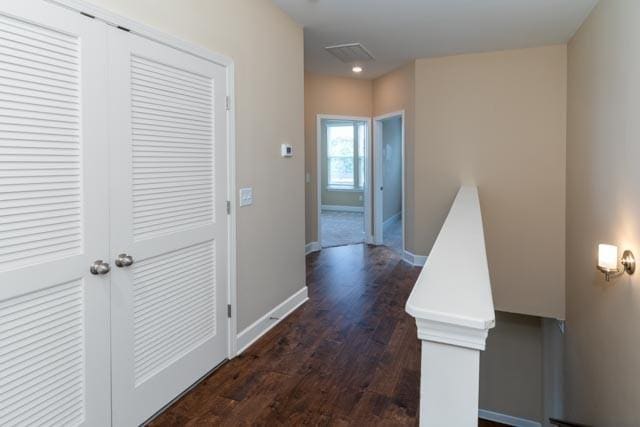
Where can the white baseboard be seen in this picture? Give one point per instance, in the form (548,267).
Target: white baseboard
(311,247)
(392,218)
(261,326)
(413,259)
(343,208)
(507,419)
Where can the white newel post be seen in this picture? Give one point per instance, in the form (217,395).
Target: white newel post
(453,307)
(449,374)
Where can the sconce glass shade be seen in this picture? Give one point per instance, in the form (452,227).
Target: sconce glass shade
(607,257)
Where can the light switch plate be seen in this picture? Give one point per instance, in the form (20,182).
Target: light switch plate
(286,150)
(246,196)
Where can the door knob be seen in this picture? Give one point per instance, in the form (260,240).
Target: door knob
(99,267)
(124,260)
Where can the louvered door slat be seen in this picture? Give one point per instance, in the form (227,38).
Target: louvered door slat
(168,84)
(54,354)
(21,40)
(173,135)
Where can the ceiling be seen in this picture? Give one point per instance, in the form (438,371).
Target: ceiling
(396,31)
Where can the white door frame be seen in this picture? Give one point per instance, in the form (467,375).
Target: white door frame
(193,49)
(378,179)
(366,192)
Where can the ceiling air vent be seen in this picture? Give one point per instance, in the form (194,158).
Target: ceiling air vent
(350,52)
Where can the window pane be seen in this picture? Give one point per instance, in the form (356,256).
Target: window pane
(341,171)
(361,171)
(340,141)
(340,152)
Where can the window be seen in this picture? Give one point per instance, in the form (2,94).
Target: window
(340,153)
(345,155)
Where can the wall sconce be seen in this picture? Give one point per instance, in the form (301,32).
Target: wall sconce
(608,261)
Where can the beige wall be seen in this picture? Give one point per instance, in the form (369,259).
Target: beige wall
(393,92)
(603,206)
(327,95)
(497,120)
(511,367)
(267,48)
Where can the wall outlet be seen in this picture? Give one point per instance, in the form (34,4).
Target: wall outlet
(246,196)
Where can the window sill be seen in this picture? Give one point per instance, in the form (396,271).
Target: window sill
(344,188)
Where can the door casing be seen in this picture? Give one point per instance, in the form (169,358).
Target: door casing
(378,178)
(368,237)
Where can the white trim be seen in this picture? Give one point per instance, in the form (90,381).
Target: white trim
(378,226)
(263,325)
(413,259)
(232,223)
(367,185)
(344,189)
(391,219)
(451,334)
(161,37)
(343,208)
(311,247)
(143,30)
(506,419)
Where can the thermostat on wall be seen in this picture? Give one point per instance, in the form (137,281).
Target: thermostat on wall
(286,150)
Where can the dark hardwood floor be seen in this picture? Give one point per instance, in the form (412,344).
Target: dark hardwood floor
(349,356)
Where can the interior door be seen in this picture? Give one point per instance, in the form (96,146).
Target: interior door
(168,222)
(54,339)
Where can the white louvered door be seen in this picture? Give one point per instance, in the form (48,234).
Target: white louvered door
(168,200)
(54,331)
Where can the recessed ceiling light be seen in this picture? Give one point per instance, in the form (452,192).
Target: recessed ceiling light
(357,69)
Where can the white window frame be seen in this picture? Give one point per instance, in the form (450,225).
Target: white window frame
(357,186)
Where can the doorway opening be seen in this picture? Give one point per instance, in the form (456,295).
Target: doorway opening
(389,201)
(344,214)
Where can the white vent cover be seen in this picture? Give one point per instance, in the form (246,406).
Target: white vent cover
(350,52)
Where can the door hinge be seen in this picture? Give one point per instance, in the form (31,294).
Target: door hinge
(228,207)
(228,104)
(229,310)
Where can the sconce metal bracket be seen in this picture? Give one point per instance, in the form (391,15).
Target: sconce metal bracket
(628,262)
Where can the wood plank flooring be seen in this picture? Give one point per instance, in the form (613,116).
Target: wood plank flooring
(349,356)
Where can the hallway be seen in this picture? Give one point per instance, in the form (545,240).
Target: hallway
(349,355)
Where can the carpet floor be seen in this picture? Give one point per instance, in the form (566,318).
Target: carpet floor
(341,228)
